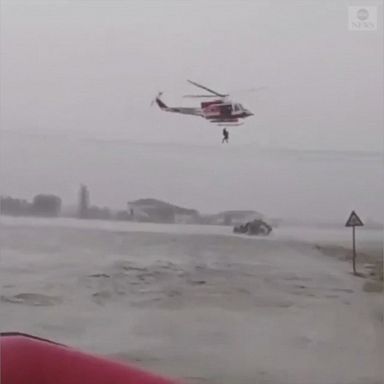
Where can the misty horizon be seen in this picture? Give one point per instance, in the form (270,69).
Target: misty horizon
(286,184)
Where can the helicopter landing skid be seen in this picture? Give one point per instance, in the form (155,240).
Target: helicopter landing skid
(228,125)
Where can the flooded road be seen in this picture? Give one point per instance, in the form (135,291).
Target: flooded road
(194,302)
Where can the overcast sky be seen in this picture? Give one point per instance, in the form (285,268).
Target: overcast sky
(88,70)
(93,66)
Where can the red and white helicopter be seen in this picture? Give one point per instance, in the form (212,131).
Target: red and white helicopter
(220,111)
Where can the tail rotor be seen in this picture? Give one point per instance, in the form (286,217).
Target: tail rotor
(156,98)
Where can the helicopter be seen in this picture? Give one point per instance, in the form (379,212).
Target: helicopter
(220,110)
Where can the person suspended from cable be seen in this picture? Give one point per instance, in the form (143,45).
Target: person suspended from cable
(225,136)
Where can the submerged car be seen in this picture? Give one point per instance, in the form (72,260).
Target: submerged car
(255,227)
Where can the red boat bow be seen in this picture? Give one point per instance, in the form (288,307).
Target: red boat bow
(27,359)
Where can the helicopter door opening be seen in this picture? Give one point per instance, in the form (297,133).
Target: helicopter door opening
(236,109)
(227,110)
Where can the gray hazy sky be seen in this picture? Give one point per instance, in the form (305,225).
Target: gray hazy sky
(91,67)
(77,78)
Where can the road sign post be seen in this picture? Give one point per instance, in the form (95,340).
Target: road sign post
(354,249)
(354,221)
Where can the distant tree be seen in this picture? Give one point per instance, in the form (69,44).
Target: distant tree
(46,205)
(123,216)
(14,207)
(83,210)
(98,213)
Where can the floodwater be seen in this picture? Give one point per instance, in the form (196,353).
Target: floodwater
(194,302)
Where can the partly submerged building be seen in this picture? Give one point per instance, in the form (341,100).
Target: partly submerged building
(156,211)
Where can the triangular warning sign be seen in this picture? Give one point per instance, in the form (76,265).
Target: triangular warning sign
(354,220)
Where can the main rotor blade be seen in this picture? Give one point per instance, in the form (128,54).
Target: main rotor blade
(236,92)
(200,96)
(207,89)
